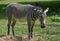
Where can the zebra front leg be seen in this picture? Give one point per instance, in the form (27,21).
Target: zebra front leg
(30,28)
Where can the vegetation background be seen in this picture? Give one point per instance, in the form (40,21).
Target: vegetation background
(52,30)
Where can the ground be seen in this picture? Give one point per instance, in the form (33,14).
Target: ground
(19,38)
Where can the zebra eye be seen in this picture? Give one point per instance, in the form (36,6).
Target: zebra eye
(35,9)
(38,10)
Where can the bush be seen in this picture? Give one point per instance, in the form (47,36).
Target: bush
(55,18)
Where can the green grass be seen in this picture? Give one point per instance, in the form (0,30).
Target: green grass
(50,33)
(7,1)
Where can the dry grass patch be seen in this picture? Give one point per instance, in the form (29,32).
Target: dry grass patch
(19,38)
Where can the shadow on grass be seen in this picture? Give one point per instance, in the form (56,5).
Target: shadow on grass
(53,33)
(47,24)
(54,25)
(2,0)
(3,11)
(53,5)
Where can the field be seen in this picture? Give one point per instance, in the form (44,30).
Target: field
(50,33)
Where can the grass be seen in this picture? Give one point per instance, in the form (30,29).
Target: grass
(7,1)
(50,33)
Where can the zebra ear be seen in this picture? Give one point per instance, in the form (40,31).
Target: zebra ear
(45,11)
